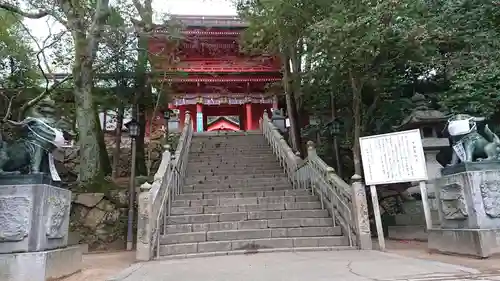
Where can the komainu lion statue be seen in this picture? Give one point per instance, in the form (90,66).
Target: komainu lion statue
(39,137)
(471,140)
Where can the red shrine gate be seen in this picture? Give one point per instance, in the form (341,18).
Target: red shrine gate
(222,88)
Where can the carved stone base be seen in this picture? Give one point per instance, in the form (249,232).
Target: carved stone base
(40,266)
(469,198)
(33,217)
(481,243)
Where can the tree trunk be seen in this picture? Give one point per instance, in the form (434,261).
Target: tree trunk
(356,86)
(118,142)
(290,102)
(89,168)
(297,94)
(140,106)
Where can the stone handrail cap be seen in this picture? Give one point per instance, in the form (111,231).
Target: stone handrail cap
(330,170)
(310,145)
(356,177)
(145,186)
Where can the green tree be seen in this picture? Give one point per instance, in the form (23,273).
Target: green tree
(466,35)
(84,21)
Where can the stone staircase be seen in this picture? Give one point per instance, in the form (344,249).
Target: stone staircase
(236,199)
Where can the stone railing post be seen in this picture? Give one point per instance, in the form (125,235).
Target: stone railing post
(311,149)
(166,157)
(360,209)
(144,228)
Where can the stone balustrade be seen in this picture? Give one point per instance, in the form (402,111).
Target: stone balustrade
(154,198)
(346,203)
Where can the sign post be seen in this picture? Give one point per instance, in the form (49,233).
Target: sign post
(394,158)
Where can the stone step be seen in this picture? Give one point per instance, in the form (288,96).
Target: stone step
(235,165)
(234,171)
(217,154)
(253,224)
(222,154)
(233,160)
(244,149)
(245,208)
(211,199)
(252,245)
(244,234)
(235,188)
(211,184)
(229,143)
(237,180)
(235,177)
(246,216)
(218,144)
(276,168)
(243,194)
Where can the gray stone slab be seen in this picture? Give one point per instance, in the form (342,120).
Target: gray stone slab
(474,242)
(40,266)
(33,217)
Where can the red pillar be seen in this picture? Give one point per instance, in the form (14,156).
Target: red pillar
(249,116)
(199,117)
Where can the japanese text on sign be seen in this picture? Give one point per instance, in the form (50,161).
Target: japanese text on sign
(392,158)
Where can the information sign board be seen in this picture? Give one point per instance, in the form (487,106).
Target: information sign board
(393,158)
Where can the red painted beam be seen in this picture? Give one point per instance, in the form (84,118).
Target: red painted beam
(224,79)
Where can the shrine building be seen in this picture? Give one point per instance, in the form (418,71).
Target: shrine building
(210,77)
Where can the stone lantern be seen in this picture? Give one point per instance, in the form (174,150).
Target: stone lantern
(431,122)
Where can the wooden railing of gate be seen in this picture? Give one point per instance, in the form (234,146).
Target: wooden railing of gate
(346,203)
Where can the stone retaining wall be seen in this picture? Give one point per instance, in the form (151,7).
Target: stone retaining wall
(99,220)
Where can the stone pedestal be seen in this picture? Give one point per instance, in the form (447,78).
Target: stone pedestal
(34,222)
(33,217)
(468,198)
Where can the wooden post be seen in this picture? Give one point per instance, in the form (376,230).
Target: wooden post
(425,205)
(378,219)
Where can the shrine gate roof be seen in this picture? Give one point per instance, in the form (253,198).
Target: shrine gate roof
(209,21)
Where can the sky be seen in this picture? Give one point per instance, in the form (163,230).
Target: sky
(40,28)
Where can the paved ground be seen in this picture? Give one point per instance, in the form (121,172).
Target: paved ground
(419,250)
(102,267)
(99,267)
(313,266)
